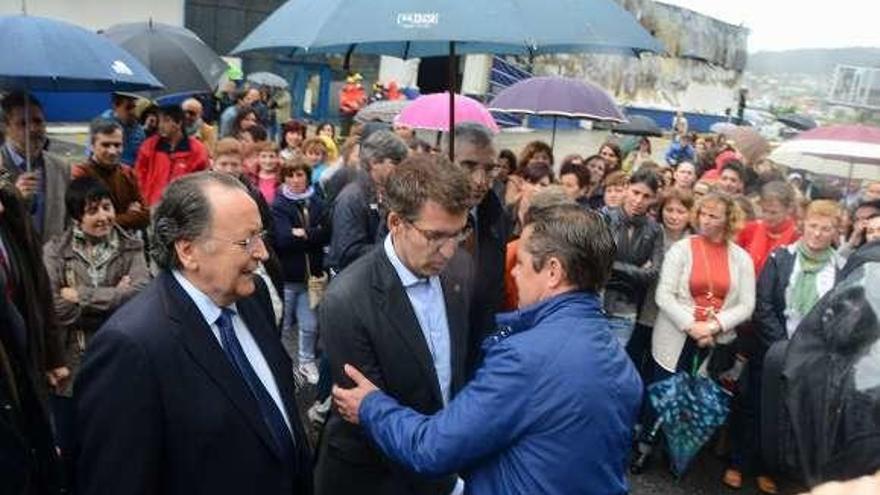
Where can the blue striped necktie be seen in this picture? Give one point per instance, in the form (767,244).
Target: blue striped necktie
(269,410)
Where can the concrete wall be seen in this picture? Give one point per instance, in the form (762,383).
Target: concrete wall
(100,14)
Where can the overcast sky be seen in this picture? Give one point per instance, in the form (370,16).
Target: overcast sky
(788,24)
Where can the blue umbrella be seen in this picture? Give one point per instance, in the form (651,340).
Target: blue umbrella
(41,54)
(689,409)
(407,29)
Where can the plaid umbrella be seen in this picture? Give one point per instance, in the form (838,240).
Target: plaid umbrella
(689,408)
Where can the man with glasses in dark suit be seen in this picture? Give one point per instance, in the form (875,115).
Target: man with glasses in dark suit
(401,313)
(187,389)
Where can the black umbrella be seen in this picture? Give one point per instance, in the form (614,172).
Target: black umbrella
(176,56)
(798,121)
(638,125)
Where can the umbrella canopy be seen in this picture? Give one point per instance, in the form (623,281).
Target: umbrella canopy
(639,125)
(848,151)
(690,409)
(431,112)
(403,29)
(43,54)
(268,79)
(798,121)
(381,111)
(752,146)
(558,97)
(174,54)
(722,127)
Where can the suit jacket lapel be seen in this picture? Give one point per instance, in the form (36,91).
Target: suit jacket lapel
(395,306)
(201,344)
(456,318)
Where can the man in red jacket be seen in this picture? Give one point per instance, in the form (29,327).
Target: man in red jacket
(168,155)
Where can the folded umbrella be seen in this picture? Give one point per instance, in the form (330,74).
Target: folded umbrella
(690,409)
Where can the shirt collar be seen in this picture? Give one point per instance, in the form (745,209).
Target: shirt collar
(17,159)
(208,308)
(165,145)
(407,278)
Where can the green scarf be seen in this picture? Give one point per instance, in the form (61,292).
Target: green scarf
(803,292)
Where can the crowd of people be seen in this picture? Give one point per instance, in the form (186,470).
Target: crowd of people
(481,324)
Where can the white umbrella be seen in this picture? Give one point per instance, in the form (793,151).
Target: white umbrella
(847,151)
(268,79)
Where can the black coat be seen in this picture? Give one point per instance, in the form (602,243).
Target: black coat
(161,410)
(357,225)
(32,294)
(831,390)
(637,260)
(769,317)
(367,321)
(493,231)
(28,463)
(292,251)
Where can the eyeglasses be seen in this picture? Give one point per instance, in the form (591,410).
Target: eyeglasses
(249,245)
(437,239)
(491,169)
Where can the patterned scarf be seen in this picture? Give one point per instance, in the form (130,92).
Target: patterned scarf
(803,293)
(288,193)
(96,253)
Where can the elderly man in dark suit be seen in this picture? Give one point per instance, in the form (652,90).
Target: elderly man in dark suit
(400,313)
(186,389)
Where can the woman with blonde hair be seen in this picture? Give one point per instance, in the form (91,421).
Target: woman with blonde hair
(706,288)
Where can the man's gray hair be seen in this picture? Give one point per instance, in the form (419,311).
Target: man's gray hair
(382,145)
(578,238)
(475,134)
(184,213)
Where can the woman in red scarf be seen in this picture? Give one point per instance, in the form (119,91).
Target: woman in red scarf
(775,228)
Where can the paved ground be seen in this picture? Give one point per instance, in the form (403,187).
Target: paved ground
(702,479)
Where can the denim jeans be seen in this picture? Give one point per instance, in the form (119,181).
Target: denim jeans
(296,301)
(622,326)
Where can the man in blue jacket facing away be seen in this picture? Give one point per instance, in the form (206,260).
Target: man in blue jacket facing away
(552,407)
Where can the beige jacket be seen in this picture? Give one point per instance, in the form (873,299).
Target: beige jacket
(56,173)
(677,304)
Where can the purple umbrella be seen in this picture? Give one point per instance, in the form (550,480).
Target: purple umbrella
(558,97)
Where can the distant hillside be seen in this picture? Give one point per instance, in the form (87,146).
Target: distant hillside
(811,61)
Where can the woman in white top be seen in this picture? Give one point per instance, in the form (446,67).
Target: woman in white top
(706,287)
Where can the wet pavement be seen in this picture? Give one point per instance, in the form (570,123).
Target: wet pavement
(703,478)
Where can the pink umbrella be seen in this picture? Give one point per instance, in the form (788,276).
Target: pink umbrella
(431,112)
